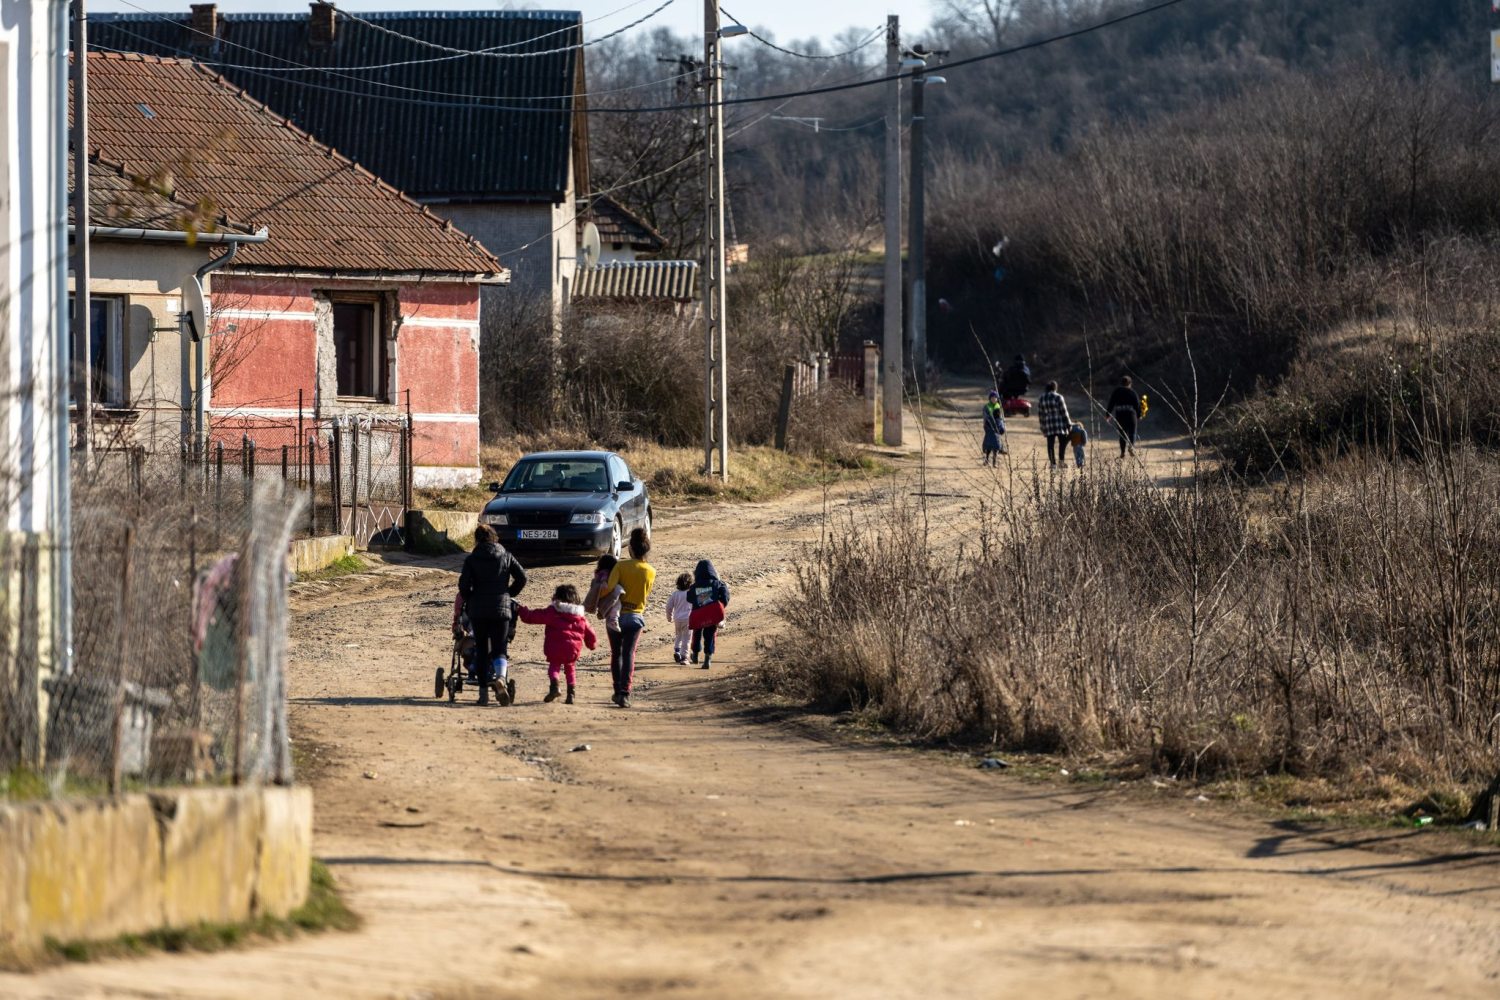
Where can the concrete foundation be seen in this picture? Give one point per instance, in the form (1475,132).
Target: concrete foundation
(96,869)
(308,555)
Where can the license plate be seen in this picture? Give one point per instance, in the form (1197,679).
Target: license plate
(537,534)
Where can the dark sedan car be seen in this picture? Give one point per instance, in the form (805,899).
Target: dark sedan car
(582,503)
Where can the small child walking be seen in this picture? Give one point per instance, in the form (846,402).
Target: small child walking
(706,589)
(568,631)
(679,610)
(1079,438)
(994,429)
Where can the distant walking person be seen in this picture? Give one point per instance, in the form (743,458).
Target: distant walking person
(1125,410)
(994,429)
(679,610)
(1017,378)
(1052,414)
(491,578)
(636,577)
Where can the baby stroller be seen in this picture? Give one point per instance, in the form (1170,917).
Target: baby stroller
(462,668)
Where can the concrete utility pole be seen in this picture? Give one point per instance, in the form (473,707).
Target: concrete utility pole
(715,297)
(83,363)
(891,363)
(917,266)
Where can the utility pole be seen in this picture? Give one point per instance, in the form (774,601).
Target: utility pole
(83,363)
(917,266)
(891,364)
(715,297)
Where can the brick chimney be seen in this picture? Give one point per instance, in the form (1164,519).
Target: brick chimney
(205,24)
(320,27)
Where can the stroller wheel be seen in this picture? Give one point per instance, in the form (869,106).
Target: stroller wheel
(439,683)
(510,689)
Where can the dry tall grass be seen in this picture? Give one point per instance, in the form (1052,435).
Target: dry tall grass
(1352,621)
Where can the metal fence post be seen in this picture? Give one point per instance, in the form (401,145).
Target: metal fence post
(285,455)
(312,484)
(354,482)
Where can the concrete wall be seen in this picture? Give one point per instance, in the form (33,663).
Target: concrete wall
(95,869)
(308,555)
(433,337)
(147,279)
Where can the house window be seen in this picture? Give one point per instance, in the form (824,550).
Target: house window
(359,350)
(106,351)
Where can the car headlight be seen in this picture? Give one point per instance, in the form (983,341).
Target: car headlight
(499,519)
(593,517)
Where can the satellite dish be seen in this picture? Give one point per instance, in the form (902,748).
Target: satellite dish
(589,247)
(196,313)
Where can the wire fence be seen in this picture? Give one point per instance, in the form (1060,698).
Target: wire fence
(179,631)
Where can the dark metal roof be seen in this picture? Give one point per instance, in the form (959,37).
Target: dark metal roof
(434,139)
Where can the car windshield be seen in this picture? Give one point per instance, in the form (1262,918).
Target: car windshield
(548,475)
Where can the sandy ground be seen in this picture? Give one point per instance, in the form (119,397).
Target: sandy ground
(701,847)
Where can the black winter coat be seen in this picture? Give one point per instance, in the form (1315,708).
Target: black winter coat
(490,578)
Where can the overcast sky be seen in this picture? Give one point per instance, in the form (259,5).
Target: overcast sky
(787,20)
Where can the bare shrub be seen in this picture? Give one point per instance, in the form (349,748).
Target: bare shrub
(1350,623)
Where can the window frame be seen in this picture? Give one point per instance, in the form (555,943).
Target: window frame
(380,373)
(112,375)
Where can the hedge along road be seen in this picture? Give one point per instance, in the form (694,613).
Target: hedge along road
(700,848)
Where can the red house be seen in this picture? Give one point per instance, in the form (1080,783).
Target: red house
(360,305)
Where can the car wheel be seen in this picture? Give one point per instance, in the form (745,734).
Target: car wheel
(616,538)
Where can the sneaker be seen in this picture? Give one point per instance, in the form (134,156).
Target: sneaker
(569,699)
(502,696)
(624,701)
(618,699)
(695,658)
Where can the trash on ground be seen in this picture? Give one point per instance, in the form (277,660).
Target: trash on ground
(1477,824)
(580,748)
(1201,798)
(1064,770)
(1422,821)
(993,762)
(538,760)
(370,775)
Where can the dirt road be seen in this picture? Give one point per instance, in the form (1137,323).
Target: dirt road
(700,849)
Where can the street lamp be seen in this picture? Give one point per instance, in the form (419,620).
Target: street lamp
(715,294)
(917,303)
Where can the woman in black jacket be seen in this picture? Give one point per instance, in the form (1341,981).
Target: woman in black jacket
(490,578)
(1125,410)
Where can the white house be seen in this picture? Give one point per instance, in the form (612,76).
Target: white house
(33,363)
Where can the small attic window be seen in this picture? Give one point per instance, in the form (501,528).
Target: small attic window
(145,110)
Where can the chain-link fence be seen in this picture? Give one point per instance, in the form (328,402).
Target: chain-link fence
(179,629)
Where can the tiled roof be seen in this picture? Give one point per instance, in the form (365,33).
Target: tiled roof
(217,146)
(671,280)
(618,224)
(120,199)
(422,126)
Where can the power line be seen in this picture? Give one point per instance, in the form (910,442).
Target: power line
(879,33)
(295,67)
(472,103)
(495,53)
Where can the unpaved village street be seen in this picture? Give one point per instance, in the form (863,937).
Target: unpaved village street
(703,847)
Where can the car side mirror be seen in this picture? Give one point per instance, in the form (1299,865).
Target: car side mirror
(624,486)
(494,487)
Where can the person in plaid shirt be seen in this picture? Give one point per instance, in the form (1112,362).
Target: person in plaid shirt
(1052,414)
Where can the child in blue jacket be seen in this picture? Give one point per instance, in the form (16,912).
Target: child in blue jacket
(707,588)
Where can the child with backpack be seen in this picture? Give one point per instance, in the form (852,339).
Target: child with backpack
(679,610)
(606,604)
(568,632)
(1079,439)
(709,597)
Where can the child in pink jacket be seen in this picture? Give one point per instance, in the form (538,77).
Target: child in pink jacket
(568,632)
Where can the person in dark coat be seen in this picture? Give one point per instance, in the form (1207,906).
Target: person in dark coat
(490,580)
(1017,378)
(1125,410)
(706,588)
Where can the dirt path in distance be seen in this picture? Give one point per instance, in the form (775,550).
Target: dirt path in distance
(699,849)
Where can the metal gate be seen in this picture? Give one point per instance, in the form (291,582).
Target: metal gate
(372,478)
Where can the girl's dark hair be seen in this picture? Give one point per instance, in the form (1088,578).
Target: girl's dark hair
(640,543)
(566,594)
(606,563)
(485,535)
(1125,381)
(684,581)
